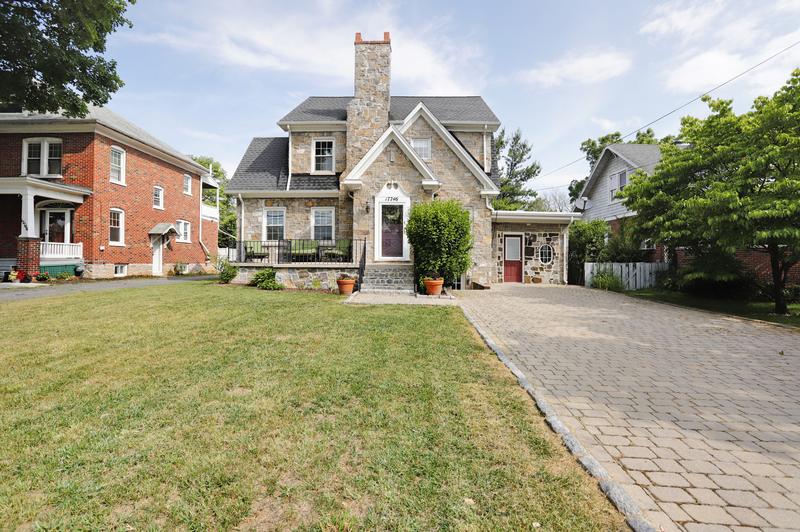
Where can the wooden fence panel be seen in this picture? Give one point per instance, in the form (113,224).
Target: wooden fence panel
(634,275)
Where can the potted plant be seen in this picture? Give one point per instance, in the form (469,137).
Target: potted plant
(433,284)
(346,284)
(43,277)
(14,276)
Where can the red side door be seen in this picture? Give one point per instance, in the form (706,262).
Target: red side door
(512,263)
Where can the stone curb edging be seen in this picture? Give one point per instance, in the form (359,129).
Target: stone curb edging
(614,491)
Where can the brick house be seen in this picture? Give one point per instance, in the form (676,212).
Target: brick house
(100,195)
(334,194)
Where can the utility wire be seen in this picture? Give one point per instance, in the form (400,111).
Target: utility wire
(737,76)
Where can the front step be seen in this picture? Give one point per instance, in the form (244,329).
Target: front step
(388,277)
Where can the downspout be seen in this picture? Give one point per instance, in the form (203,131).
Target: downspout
(200,228)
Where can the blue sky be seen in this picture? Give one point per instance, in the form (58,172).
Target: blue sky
(207,76)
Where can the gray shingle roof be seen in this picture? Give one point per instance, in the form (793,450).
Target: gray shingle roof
(264,166)
(106,117)
(314,182)
(644,156)
(444,108)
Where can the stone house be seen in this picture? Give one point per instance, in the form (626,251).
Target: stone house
(334,194)
(100,195)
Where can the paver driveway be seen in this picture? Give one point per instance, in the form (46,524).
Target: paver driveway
(696,414)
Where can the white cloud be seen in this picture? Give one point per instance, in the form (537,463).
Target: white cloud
(587,68)
(688,19)
(317,41)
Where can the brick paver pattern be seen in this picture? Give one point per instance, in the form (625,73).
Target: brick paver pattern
(695,414)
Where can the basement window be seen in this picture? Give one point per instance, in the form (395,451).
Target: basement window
(120,270)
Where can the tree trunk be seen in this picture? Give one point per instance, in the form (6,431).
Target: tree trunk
(776,264)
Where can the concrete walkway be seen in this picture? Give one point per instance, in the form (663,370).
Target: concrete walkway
(397,298)
(11,292)
(696,415)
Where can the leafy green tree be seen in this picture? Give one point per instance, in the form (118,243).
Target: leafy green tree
(735,183)
(51,54)
(586,242)
(623,245)
(516,172)
(439,232)
(227,208)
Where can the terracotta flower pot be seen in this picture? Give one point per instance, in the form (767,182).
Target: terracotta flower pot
(433,287)
(346,286)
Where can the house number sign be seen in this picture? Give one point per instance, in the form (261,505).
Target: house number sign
(391,199)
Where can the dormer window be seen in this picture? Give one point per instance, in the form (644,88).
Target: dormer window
(41,157)
(323,156)
(422,147)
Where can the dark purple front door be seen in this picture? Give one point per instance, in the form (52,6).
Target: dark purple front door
(392,230)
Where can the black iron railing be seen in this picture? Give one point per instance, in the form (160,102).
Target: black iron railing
(308,251)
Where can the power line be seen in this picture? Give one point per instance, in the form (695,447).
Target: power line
(737,76)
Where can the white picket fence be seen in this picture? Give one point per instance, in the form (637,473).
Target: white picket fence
(634,275)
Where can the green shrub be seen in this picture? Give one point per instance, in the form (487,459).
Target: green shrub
(606,280)
(43,277)
(623,245)
(717,274)
(64,276)
(227,272)
(586,241)
(439,233)
(265,280)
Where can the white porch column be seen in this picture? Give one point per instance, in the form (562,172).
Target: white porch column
(566,255)
(28,218)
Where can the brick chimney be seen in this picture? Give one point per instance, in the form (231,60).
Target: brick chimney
(368,111)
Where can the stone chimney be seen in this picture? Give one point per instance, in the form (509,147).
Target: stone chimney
(368,111)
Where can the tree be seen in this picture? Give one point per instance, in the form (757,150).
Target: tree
(439,232)
(734,183)
(593,148)
(227,208)
(557,201)
(51,54)
(586,242)
(516,172)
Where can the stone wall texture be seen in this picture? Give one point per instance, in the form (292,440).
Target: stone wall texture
(368,111)
(474,142)
(302,150)
(306,278)
(535,236)
(298,216)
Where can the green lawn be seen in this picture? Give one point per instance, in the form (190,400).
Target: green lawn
(199,406)
(759,310)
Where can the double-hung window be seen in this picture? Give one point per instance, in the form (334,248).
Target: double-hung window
(116,227)
(422,147)
(323,156)
(184,231)
(322,220)
(187,184)
(158,197)
(274,221)
(42,157)
(617,183)
(117,173)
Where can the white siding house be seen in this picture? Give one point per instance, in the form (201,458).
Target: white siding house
(616,164)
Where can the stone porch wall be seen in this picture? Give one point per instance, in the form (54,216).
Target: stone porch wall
(304,278)
(535,235)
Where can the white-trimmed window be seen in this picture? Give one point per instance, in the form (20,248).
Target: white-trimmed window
(117,167)
(422,147)
(184,231)
(616,183)
(274,223)
(120,270)
(322,223)
(158,197)
(323,156)
(546,254)
(42,157)
(187,184)
(116,227)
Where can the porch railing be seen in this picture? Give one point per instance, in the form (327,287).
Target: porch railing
(302,251)
(61,250)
